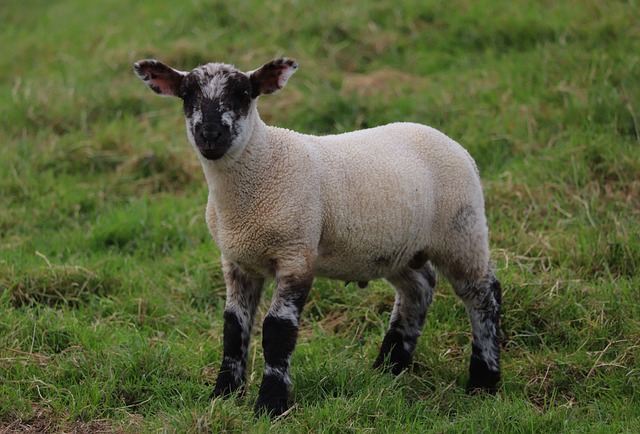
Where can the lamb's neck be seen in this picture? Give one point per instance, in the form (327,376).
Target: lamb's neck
(235,176)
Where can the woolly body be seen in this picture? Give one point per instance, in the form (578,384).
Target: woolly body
(363,203)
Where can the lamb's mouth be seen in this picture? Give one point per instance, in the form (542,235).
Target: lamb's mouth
(213,153)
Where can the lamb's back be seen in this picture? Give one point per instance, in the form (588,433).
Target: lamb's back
(384,192)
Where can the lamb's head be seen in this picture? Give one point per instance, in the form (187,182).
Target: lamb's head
(218,100)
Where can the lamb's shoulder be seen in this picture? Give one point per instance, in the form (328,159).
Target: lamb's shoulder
(277,213)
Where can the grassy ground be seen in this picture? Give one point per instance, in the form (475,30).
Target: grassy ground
(111,294)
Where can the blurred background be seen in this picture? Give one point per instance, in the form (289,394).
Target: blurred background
(111,294)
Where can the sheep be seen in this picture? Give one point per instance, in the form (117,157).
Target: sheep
(386,202)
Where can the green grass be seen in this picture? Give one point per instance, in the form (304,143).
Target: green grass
(111,293)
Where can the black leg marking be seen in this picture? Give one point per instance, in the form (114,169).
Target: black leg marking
(396,351)
(243,296)
(232,370)
(273,399)
(481,378)
(279,338)
(483,306)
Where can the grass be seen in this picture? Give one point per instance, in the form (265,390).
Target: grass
(111,293)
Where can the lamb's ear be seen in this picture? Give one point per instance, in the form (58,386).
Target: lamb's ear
(272,76)
(162,79)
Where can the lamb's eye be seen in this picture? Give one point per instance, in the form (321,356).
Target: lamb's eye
(242,95)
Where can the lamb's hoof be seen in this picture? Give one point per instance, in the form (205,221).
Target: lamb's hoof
(273,398)
(477,388)
(481,378)
(393,356)
(226,385)
(271,406)
(486,383)
(389,367)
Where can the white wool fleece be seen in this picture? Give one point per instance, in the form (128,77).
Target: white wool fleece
(355,206)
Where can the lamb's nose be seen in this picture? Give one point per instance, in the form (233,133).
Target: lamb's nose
(210,133)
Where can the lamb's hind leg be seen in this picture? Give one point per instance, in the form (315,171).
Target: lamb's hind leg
(414,293)
(462,255)
(482,299)
(243,296)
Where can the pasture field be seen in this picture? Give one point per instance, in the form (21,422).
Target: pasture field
(111,294)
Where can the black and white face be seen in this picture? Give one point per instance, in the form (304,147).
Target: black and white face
(218,100)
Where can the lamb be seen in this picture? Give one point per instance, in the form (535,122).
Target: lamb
(386,202)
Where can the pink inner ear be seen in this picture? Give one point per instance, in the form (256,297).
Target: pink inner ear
(165,84)
(272,76)
(161,78)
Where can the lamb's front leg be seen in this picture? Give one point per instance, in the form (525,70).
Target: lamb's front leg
(243,296)
(279,337)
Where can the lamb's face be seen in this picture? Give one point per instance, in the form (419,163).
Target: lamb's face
(216,102)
